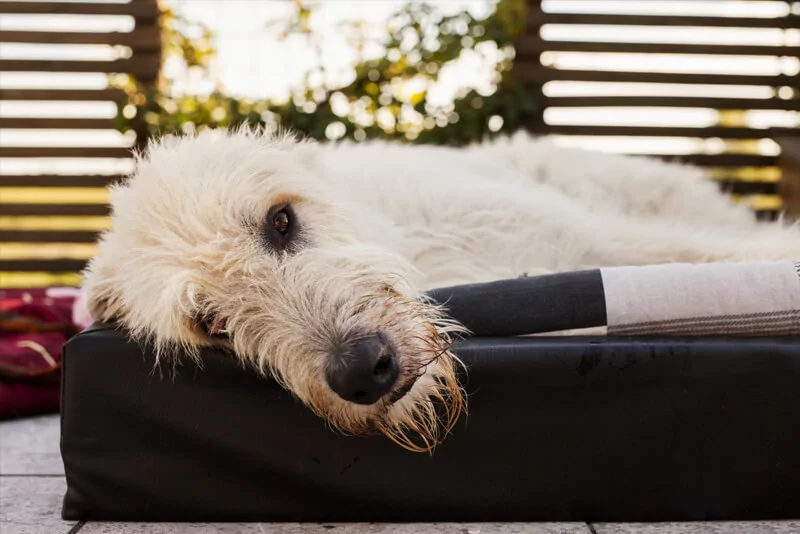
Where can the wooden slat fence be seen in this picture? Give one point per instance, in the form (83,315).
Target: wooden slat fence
(46,226)
(758,182)
(35,218)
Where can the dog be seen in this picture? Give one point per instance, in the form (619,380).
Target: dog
(309,261)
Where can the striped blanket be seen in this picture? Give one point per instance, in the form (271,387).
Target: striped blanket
(725,299)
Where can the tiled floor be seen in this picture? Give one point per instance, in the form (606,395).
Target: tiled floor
(32,485)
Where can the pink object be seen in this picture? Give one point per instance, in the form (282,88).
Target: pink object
(80,313)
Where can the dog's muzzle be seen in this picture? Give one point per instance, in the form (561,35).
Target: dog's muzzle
(363,371)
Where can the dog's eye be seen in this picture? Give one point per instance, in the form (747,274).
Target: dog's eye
(280,228)
(281,221)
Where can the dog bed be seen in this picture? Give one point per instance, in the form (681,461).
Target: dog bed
(692,414)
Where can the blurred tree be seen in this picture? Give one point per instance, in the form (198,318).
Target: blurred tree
(388,97)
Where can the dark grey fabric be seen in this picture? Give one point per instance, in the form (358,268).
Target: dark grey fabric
(559,429)
(528,305)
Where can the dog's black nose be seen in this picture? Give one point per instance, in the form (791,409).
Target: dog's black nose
(363,371)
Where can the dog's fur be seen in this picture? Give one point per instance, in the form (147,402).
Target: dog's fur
(377,224)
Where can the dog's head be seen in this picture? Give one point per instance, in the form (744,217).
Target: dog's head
(235,240)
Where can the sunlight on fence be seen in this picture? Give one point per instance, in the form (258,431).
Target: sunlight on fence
(708,80)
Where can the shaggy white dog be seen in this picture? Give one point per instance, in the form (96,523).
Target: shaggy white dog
(308,261)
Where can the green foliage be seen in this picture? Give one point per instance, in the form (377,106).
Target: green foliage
(377,103)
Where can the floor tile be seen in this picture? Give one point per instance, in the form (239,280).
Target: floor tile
(710,527)
(32,505)
(335,528)
(31,446)
(170,528)
(427,528)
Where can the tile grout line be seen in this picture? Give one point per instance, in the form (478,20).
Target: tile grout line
(77,527)
(28,475)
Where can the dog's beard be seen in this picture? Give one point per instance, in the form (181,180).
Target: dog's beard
(427,414)
(426,400)
(424,405)
(289,321)
(428,411)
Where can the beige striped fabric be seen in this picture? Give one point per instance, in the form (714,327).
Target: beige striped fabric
(731,299)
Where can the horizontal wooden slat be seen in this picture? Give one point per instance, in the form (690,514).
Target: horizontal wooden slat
(64,152)
(537,17)
(673,101)
(52,266)
(53,209)
(721,160)
(739,187)
(57,123)
(760,202)
(143,67)
(659,131)
(48,236)
(531,44)
(47,251)
(72,95)
(48,180)
(532,72)
(25,280)
(141,9)
(142,38)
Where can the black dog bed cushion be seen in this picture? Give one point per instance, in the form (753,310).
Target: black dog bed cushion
(559,428)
